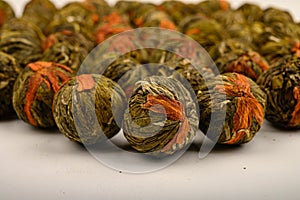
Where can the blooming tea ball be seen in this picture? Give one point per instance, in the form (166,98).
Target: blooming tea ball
(22,40)
(67,48)
(89,108)
(246,62)
(281,83)
(177,10)
(39,12)
(9,70)
(238,107)
(112,24)
(161,117)
(209,7)
(34,90)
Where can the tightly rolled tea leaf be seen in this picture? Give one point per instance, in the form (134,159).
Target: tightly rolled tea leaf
(207,32)
(119,67)
(248,63)
(67,48)
(279,30)
(155,18)
(88,108)
(112,50)
(179,66)
(140,72)
(234,24)
(100,7)
(34,90)
(244,108)
(209,7)
(75,17)
(161,118)
(112,24)
(9,70)
(227,46)
(22,40)
(251,12)
(273,15)
(275,51)
(189,20)
(6,12)
(195,77)
(177,10)
(281,83)
(127,7)
(228,18)
(66,54)
(72,38)
(137,12)
(39,12)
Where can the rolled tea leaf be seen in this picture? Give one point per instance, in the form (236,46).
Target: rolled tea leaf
(227,46)
(248,63)
(112,24)
(155,18)
(228,18)
(244,108)
(9,70)
(275,51)
(34,90)
(207,32)
(22,40)
(209,7)
(281,83)
(71,38)
(75,17)
(177,10)
(39,12)
(161,118)
(66,54)
(89,108)
(251,12)
(276,32)
(137,12)
(235,25)
(273,15)
(67,48)
(100,7)
(119,67)
(195,77)
(127,7)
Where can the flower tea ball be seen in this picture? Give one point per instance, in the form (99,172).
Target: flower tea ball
(89,108)
(161,117)
(9,70)
(235,105)
(281,83)
(34,90)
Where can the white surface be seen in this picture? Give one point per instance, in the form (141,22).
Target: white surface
(39,164)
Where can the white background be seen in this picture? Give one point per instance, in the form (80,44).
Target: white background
(39,164)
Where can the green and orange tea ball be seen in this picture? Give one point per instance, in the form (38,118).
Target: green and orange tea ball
(161,117)
(9,71)
(238,106)
(89,108)
(34,90)
(281,83)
